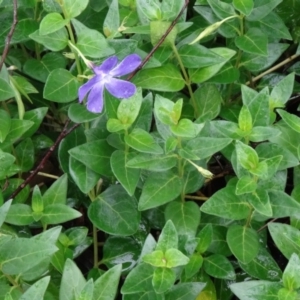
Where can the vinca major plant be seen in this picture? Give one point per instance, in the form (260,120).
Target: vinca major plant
(149,149)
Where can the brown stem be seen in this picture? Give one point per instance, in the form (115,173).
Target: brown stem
(10,34)
(62,135)
(159,42)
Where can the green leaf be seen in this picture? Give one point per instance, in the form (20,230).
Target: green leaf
(263,266)
(57,193)
(203,74)
(151,162)
(155,258)
(286,238)
(55,41)
(221,9)
(148,11)
(198,56)
(107,285)
(245,184)
(243,242)
(19,214)
(72,281)
(256,289)
(282,204)
(51,23)
(40,69)
(168,238)
(59,213)
(4,210)
(282,91)
(245,119)
(225,204)
(184,291)
(262,9)
(194,265)
(254,41)
(91,42)
(95,155)
(6,90)
(37,200)
(14,262)
(128,177)
(163,279)
(84,177)
(260,133)
(247,156)
(291,280)
(286,294)
(243,6)
(79,114)
(4,125)
(205,238)
(112,20)
(261,202)
(175,258)
(138,280)
(166,78)
(291,120)
(158,190)
(184,215)
(203,147)
(61,86)
(208,102)
(143,141)
(219,266)
(74,8)
(25,155)
(87,292)
(115,204)
(171,8)
(37,290)
(186,129)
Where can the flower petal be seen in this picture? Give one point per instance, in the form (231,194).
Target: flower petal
(95,98)
(127,65)
(106,66)
(85,88)
(120,88)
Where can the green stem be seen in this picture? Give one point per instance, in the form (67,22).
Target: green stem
(95,239)
(249,218)
(186,78)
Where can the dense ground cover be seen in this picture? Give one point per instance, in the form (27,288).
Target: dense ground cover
(149,149)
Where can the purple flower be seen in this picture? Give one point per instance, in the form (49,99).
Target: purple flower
(104,78)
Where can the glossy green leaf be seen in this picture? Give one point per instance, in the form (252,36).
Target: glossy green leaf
(184,215)
(79,114)
(84,177)
(224,203)
(168,237)
(128,177)
(221,9)
(186,129)
(203,74)
(291,120)
(55,41)
(254,41)
(260,201)
(290,277)
(175,258)
(36,116)
(139,279)
(208,102)
(262,9)
(61,86)
(51,23)
(219,266)
(112,20)
(159,189)
(72,281)
(263,266)
(115,204)
(40,69)
(166,78)
(163,279)
(59,213)
(151,162)
(243,242)
(194,265)
(185,291)
(246,184)
(19,214)
(247,156)
(37,290)
(245,119)
(156,259)
(256,289)
(109,280)
(57,193)
(143,141)
(260,133)
(205,238)
(4,210)
(95,155)
(87,291)
(25,155)
(243,6)
(74,8)
(5,124)
(198,56)
(6,90)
